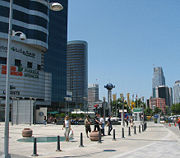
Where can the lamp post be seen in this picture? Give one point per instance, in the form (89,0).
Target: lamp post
(53,6)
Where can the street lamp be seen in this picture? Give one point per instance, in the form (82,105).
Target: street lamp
(53,6)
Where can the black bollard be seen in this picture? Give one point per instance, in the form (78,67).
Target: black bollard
(129,131)
(145,126)
(134,129)
(114,135)
(35,148)
(122,132)
(142,127)
(99,140)
(139,129)
(58,143)
(81,140)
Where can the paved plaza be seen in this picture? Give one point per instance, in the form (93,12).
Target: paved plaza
(157,141)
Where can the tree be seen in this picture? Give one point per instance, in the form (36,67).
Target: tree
(157,110)
(148,111)
(175,108)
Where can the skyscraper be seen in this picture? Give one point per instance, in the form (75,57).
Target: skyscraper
(55,57)
(77,70)
(158,79)
(176,90)
(93,92)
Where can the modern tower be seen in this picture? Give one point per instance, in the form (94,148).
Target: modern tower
(109,87)
(158,79)
(28,79)
(77,71)
(55,57)
(176,90)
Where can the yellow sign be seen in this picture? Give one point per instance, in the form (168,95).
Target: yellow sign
(114,97)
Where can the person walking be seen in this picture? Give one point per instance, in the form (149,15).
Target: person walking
(178,122)
(126,120)
(131,122)
(102,123)
(87,124)
(96,122)
(45,120)
(109,124)
(67,126)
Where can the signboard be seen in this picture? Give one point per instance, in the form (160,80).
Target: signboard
(19,71)
(137,110)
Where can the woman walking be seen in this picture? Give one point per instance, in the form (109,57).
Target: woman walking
(87,124)
(67,126)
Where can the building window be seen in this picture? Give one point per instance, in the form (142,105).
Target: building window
(38,67)
(17,62)
(2,60)
(29,65)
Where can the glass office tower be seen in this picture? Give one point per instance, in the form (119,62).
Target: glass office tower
(158,79)
(55,57)
(77,71)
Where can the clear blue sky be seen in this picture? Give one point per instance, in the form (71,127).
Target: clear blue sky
(126,38)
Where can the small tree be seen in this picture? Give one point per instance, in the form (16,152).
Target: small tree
(175,108)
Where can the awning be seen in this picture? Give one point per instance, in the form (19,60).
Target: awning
(53,112)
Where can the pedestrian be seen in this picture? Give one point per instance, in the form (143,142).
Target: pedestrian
(55,120)
(67,126)
(45,120)
(131,122)
(178,122)
(96,122)
(126,120)
(102,123)
(87,124)
(109,124)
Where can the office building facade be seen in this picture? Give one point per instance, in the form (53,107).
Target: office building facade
(158,79)
(164,92)
(55,57)
(176,90)
(158,102)
(77,71)
(93,92)
(27,78)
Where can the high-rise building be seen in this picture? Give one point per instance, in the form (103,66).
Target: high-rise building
(93,92)
(55,57)
(176,90)
(164,92)
(158,79)
(77,71)
(27,77)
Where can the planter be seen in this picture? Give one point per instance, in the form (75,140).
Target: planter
(27,132)
(94,136)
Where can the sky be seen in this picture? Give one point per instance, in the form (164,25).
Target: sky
(126,39)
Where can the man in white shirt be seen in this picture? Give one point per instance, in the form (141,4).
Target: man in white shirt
(102,122)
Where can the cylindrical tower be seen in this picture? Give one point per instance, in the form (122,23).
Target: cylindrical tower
(77,71)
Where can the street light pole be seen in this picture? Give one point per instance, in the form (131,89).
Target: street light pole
(6,129)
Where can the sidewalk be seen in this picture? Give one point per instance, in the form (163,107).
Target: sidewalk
(155,133)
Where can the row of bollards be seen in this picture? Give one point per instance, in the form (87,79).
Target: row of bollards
(144,127)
